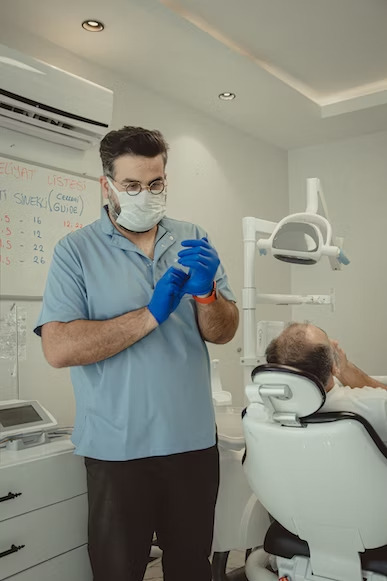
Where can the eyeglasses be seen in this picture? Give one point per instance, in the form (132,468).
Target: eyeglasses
(134,188)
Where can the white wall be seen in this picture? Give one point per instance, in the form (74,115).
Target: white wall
(354,179)
(215,174)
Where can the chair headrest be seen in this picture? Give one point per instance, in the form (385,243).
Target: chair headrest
(286,391)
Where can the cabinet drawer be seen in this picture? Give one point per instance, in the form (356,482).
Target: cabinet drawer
(72,566)
(42,482)
(46,533)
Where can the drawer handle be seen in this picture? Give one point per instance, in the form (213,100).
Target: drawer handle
(10,496)
(13,549)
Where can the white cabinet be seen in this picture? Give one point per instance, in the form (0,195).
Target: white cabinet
(41,482)
(72,566)
(43,514)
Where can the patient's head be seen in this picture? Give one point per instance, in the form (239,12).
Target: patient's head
(307,348)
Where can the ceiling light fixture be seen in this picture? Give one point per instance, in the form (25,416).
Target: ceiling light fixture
(92,25)
(227,96)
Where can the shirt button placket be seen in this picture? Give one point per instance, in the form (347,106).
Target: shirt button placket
(149,265)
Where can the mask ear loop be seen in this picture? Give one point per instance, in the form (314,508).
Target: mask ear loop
(112,210)
(112,186)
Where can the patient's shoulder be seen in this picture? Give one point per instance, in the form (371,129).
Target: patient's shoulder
(367,392)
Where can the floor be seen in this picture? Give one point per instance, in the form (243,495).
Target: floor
(154,571)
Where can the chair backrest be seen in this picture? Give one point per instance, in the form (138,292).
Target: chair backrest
(323,477)
(288,394)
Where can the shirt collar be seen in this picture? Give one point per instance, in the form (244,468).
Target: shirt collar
(106,224)
(110,230)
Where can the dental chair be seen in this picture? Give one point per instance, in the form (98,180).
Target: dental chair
(322,477)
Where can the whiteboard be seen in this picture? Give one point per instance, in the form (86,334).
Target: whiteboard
(38,206)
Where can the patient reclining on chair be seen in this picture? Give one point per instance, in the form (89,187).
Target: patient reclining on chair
(308,348)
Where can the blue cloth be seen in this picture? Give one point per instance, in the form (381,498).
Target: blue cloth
(154,398)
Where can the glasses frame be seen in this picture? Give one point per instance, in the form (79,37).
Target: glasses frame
(148,187)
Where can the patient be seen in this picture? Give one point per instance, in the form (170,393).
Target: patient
(308,348)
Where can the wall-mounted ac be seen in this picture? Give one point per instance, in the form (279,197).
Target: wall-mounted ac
(41,100)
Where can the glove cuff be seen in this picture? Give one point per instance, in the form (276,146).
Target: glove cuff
(155,314)
(207,300)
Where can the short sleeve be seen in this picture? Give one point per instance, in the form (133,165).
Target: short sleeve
(222,284)
(65,297)
(221,278)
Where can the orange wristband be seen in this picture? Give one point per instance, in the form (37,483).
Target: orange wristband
(207,300)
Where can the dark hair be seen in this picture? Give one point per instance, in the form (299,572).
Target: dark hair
(132,141)
(292,348)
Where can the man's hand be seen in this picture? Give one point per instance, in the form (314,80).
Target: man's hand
(167,294)
(203,261)
(341,358)
(348,374)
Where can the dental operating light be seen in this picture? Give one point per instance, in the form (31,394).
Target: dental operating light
(306,237)
(303,238)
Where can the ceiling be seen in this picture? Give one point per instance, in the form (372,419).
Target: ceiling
(304,71)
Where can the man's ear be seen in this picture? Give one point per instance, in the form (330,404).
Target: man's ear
(104,187)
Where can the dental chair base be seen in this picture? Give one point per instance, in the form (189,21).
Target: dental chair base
(256,566)
(293,557)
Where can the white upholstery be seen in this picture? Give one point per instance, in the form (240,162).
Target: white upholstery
(325,482)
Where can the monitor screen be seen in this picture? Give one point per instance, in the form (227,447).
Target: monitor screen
(18,415)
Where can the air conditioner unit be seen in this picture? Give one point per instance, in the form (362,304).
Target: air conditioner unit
(41,100)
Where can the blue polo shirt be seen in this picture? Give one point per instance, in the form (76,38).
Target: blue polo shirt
(153,398)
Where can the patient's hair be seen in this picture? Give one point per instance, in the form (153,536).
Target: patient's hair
(293,348)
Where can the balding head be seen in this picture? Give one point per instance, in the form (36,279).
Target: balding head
(307,348)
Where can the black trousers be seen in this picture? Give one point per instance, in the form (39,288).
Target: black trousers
(173,496)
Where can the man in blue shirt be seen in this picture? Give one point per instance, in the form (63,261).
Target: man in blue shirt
(129,302)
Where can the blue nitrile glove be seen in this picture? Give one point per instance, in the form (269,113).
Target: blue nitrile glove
(203,261)
(167,294)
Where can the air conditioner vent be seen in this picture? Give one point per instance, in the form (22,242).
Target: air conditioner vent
(37,116)
(48,108)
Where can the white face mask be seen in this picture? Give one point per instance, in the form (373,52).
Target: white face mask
(141,212)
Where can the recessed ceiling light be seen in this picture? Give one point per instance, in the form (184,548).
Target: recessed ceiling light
(93,25)
(227,96)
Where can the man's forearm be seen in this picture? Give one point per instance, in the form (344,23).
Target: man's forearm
(218,321)
(83,342)
(355,377)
